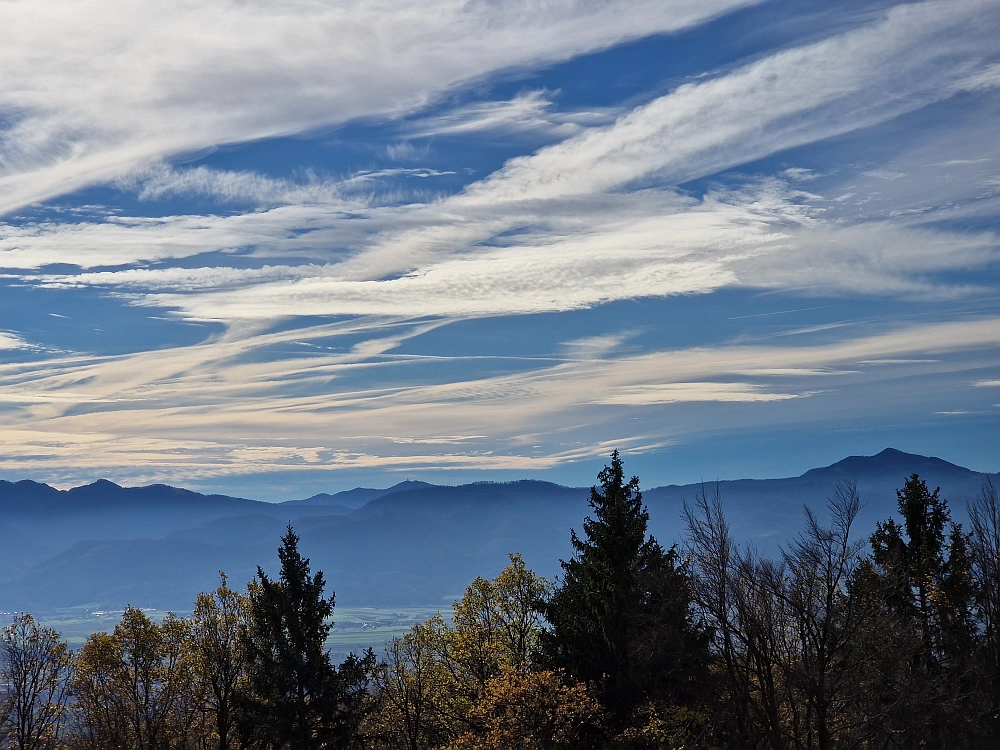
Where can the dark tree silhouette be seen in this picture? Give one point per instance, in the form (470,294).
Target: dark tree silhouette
(621,615)
(296,698)
(920,573)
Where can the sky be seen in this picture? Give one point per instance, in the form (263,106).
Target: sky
(279,247)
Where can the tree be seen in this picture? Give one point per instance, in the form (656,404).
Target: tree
(416,692)
(497,622)
(216,623)
(926,564)
(35,671)
(135,687)
(920,576)
(786,632)
(825,647)
(733,594)
(984,514)
(823,616)
(295,697)
(621,617)
(533,711)
(431,680)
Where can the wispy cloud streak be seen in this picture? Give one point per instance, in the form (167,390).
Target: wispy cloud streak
(194,75)
(450,256)
(146,415)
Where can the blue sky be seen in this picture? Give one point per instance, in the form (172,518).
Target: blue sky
(275,248)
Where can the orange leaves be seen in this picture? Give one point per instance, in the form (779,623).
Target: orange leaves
(533,710)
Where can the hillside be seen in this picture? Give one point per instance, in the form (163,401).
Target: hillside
(103,546)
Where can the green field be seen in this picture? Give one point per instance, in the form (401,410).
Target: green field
(355,628)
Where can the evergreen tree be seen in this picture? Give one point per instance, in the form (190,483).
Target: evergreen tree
(621,616)
(296,698)
(920,574)
(925,564)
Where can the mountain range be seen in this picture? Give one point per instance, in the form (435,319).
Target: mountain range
(101,546)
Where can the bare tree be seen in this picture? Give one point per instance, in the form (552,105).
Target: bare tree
(411,686)
(783,627)
(36,671)
(733,597)
(984,513)
(824,616)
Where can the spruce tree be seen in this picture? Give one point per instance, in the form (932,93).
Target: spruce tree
(919,573)
(621,616)
(296,698)
(925,565)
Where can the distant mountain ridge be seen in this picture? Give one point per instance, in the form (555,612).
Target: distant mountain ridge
(101,545)
(357,497)
(27,496)
(766,510)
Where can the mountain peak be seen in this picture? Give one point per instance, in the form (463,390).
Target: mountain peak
(888,461)
(893,453)
(105,484)
(409,484)
(100,487)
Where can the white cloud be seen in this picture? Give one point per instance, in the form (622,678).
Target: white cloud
(595,347)
(987,77)
(652,243)
(11,341)
(868,75)
(528,111)
(656,244)
(879,257)
(127,240)
(675,393)
(90,88)
(798,174)
(582,238)
(210,278)
(159,180)
(216,409)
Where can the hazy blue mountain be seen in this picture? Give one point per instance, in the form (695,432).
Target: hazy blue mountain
(768,511)
(38,521)
(350,499)
(104,546)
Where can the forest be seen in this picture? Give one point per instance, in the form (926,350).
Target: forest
(841,640)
